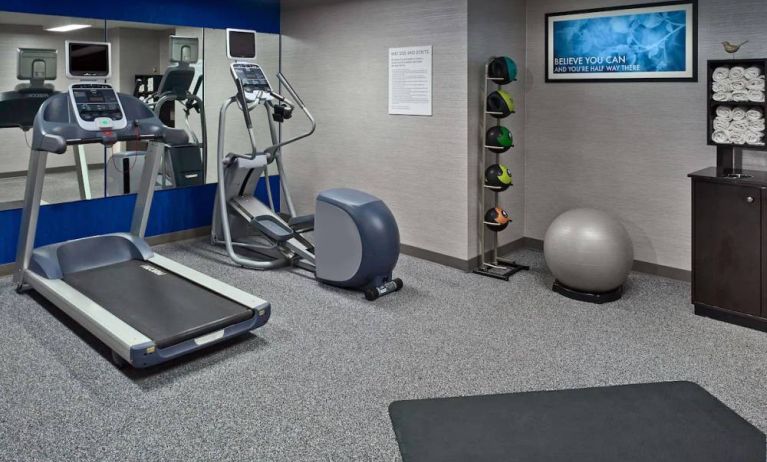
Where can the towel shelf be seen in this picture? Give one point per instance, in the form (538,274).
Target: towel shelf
(732,149)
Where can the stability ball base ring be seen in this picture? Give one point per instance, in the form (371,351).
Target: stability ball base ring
(589,297)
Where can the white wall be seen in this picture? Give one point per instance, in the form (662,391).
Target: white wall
(627,147)
(336,55)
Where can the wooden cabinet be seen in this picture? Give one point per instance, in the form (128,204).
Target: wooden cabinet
(729,230)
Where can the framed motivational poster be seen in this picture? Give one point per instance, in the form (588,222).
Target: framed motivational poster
(656,41)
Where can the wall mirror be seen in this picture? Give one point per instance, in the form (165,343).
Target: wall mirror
(162,65)
(181,72)
(76,175)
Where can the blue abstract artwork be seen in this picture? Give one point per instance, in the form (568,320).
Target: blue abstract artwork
(621,44)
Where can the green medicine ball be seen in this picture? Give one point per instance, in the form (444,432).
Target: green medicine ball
(502,70)
(500,104)
(498,176)
(499,139)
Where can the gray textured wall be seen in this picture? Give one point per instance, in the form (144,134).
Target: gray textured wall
(496,29)
(627,147)
(336,55)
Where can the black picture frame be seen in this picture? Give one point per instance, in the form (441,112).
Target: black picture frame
(694,65)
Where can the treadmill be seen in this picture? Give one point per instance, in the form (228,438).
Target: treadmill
(148,309)
(19,106)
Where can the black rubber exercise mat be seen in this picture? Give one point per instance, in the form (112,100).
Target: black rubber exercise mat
(674,421)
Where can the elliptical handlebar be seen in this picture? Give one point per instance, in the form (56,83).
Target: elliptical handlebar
(273,150)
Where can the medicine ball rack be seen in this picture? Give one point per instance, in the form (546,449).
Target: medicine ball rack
(494,267)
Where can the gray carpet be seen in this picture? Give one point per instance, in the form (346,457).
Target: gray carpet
(315,383)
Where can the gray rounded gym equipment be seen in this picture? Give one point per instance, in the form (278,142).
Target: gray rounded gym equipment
(590,254)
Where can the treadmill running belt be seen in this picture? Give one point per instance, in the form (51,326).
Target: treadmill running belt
(165,307)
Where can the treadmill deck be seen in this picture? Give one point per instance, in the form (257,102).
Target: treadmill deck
(163,306)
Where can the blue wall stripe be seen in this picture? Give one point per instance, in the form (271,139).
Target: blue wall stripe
(172,210)
(261,15)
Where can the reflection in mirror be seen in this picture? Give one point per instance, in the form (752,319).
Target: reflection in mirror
(162,65)
(32,69)
(219,87)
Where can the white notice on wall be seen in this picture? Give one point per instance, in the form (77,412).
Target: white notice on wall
(410,86)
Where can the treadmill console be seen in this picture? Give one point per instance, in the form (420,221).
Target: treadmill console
(97,107)
(250,80)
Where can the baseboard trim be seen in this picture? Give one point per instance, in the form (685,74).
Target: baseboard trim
(184,235)
(639,266)
(179,236)
(663,271)
(435,257)
(535,244)
(454,262)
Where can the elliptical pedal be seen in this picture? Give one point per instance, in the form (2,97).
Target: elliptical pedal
(302,224)
(272,227)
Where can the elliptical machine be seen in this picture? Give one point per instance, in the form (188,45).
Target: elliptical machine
(183,165)
(355,236)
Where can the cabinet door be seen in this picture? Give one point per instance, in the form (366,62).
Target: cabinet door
(727,262)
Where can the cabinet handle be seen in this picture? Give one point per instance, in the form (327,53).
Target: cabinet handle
(750,200)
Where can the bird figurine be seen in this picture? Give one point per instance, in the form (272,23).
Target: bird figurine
(732,49)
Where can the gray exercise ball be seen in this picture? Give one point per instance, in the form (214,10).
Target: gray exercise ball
(588,250)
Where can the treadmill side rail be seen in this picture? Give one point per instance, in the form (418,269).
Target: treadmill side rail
(146,355)
(110,329)
(225,290)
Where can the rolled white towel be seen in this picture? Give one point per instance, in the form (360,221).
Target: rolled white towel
(752,114)
(724,112)
(756,84)
(738,85)
(737,72)
(720,73)
(756,96)
(724,85)
(756,125)
(738,138)
(720,137)
(739,113)
(752,72)
(723,96)
(741,96)
(754,138)
(739,126)
(721,124)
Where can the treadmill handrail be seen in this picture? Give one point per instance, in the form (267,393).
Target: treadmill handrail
(54,137)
